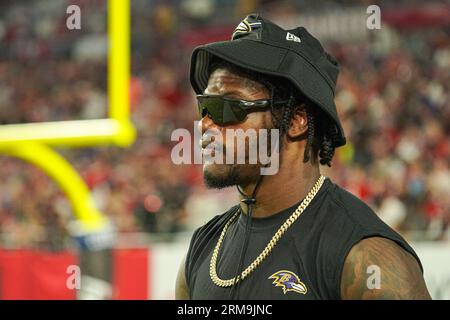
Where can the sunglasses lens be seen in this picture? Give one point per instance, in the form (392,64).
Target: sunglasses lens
(221,111)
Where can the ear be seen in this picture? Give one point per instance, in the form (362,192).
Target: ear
(299,124)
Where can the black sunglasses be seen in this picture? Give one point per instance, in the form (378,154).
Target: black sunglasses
(225,111)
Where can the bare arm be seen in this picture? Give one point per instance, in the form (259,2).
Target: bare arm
(400,276)
(181,289)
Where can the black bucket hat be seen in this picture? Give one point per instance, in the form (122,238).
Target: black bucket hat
(259,45)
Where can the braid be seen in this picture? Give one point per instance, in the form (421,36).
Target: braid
(288,110)
(326,151)
(327,147)
(310,139)
(321,137)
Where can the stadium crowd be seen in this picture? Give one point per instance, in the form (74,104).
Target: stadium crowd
(393,100)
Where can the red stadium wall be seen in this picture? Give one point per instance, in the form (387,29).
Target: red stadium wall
(35,275)
(31,275)
(131,274)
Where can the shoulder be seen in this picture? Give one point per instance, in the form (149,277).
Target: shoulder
(378,268)
(210,228)
(343,222)
(181,287)
(351,208)
(352,219)
(203,238)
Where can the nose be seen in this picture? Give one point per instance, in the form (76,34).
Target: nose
(205,124)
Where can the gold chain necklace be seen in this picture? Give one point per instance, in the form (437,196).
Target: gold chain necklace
(276,237)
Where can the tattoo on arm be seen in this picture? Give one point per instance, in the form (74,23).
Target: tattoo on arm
(400,276)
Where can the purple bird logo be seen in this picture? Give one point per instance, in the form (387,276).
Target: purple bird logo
(289,281)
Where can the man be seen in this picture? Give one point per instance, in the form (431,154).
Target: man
(295,234)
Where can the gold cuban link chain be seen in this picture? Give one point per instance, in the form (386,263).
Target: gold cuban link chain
(230,282)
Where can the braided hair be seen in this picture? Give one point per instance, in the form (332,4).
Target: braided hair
(321,134)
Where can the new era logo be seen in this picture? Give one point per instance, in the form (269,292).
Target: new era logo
(292,37)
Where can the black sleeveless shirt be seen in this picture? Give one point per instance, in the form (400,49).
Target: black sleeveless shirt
(307,261)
